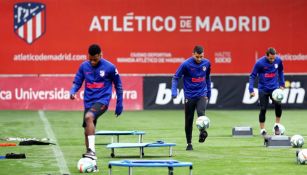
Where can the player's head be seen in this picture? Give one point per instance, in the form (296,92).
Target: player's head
(271,54)
(94,54)
(198,53)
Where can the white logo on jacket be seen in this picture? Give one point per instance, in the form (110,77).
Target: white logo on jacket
(276,66)
(102,73)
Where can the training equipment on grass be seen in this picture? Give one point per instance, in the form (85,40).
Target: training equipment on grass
(277,141)
(7,144)
(297,141)
(281,127)
(86,165)
(301,156)
(242,131)
(170,164)
(141,146)
(202,122)
(13,156)
(278,95)
(118,133)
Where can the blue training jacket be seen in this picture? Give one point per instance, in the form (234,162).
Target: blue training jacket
(98,83)
(270,75)
(196,79)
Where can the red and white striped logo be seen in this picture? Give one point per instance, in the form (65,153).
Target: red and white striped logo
(29,20)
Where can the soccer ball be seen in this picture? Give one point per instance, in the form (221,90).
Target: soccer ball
(278,95)
(281,127)
(302,156)
(202,122)
(86,165)
(297,141)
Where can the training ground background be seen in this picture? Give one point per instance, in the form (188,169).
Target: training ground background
(220,154)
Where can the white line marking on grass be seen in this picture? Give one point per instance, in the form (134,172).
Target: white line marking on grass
(56,149)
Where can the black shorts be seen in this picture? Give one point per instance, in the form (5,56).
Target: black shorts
(199,104)
(97,109)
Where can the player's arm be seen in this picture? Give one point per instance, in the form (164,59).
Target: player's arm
(175,80)
(252,78)
(77,83)
(281,75)
(119,93)
(208,81)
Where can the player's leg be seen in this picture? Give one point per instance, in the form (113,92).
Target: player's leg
(201,110)
(189,109)
(278,112)
(89,124)
(263,101)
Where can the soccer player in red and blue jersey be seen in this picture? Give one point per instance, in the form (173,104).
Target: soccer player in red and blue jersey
(98,75)
(270,72)
(197,90)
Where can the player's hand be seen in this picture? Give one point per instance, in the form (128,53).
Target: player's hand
(72,96)
(118,110)
(252,94)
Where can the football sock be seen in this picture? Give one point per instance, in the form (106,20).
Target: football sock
(91,142)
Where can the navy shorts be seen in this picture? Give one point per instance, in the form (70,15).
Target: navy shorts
(97,109)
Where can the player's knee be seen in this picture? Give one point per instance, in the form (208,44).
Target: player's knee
(89,118)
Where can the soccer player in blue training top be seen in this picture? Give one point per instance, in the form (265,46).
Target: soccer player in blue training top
(269,70)
(98,75)
(197,90)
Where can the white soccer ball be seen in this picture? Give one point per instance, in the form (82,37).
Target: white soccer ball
(278,95)
(202,122)
(297,141)
(281,127)
(86,165)
(302,156)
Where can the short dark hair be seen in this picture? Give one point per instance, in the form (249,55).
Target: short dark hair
(198,49)
(94,49)
(271,51)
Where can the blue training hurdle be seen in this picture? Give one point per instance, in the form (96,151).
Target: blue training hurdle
(170,164)
(118,133)
(112,146)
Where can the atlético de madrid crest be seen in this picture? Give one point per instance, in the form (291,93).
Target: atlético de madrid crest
(204,68)
(102,73)
(29,20)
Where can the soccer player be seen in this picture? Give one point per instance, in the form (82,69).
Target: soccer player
(98,75)
(197,90)
(269,70)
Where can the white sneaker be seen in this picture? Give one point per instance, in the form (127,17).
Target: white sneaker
(263,132)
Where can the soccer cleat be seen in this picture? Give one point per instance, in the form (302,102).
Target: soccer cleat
(189,147)
(276,129)
(203,134)
(95,169)
(90,154)
(263,132)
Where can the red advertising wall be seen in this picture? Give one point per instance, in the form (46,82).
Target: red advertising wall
(150,37)
(52,93)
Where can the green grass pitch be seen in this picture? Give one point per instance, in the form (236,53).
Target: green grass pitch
(220,154)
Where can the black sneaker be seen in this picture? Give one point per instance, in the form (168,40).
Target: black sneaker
(203,134)
(90,154)
(189,147)
(276,129)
